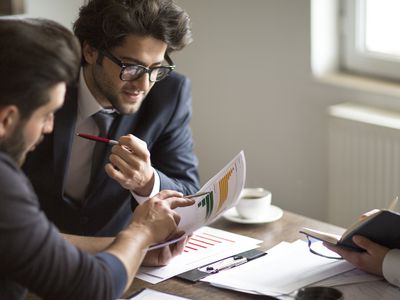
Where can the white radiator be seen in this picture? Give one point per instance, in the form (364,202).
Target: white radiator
(364,161)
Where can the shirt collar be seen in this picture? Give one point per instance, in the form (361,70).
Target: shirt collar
(87,104)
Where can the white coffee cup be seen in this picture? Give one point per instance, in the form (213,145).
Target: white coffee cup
(253,203)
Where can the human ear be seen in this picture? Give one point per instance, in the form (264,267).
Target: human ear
(9,116)
(89,53)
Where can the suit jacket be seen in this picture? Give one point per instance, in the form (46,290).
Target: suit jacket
(162,122)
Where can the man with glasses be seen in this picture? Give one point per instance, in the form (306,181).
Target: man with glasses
(126,91)
(37,60)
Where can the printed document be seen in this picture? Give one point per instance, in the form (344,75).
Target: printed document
(205,246)
(223,192)
(280,272)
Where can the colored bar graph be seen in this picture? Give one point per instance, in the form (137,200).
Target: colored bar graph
(204,241)
(223,188)
(207,202)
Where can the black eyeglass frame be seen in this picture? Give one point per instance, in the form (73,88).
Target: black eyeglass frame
(146,70)
(309,239)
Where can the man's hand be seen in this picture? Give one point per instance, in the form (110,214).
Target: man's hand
(130,165)
(370,261)
(157,217)
(161,257)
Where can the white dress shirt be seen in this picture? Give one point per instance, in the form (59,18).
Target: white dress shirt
(79,167)
(391,267)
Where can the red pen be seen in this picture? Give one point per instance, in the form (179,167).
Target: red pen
(97,138)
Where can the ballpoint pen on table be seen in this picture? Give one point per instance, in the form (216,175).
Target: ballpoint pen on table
(231,262)
(225,264)
(97,138)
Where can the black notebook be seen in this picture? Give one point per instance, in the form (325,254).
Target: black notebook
(382,227)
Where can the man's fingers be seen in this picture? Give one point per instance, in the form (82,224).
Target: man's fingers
(180,202)
(371,247)
(178,247)
(122,165)
(177,218)
(114,173)
(134,144)
(336,249)
(165,194)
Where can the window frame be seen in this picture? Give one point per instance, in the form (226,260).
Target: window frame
(353,57)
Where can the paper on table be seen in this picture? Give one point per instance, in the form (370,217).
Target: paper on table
(381,290)
(280,272)
(149,294)
(350,277)
(225,188)
(206,245)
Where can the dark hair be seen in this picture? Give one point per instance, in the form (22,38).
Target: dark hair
(104,24)
(35,54)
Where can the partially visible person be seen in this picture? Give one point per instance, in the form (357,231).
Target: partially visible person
(127,78)
(376,259)
(37,60)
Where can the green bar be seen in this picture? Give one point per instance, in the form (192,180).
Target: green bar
(208,206)
(211,202)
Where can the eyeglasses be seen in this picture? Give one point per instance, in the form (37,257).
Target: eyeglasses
(316,247)
(131,72)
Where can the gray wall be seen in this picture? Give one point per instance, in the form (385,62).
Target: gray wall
(253,90)
(63,11)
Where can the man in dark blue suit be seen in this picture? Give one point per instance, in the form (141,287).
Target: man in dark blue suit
(123,93)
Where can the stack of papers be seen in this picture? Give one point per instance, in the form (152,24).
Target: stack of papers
(286,268)
(206,245)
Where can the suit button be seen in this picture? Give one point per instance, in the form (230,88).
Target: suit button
(84,220)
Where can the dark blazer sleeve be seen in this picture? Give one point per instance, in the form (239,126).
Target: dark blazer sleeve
(172,155)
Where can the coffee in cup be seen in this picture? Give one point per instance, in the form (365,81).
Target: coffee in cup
(253,203)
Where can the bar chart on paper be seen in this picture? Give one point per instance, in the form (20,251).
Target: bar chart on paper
(206,240)
(206,245)
(224,191)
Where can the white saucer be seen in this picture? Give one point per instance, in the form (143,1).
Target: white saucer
(274,213)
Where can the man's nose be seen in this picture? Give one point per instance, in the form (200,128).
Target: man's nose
(48,127)
(143,82)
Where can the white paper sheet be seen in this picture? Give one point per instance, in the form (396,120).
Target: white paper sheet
(225,188)
(381,290)
(149,294)
(280,272)
(206,245)
(350,277)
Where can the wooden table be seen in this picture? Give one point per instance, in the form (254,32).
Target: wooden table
(285,229)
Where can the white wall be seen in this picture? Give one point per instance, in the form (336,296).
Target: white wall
(253,90)
(64,11)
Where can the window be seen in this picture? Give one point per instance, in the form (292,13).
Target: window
(370,39)
(11,7)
